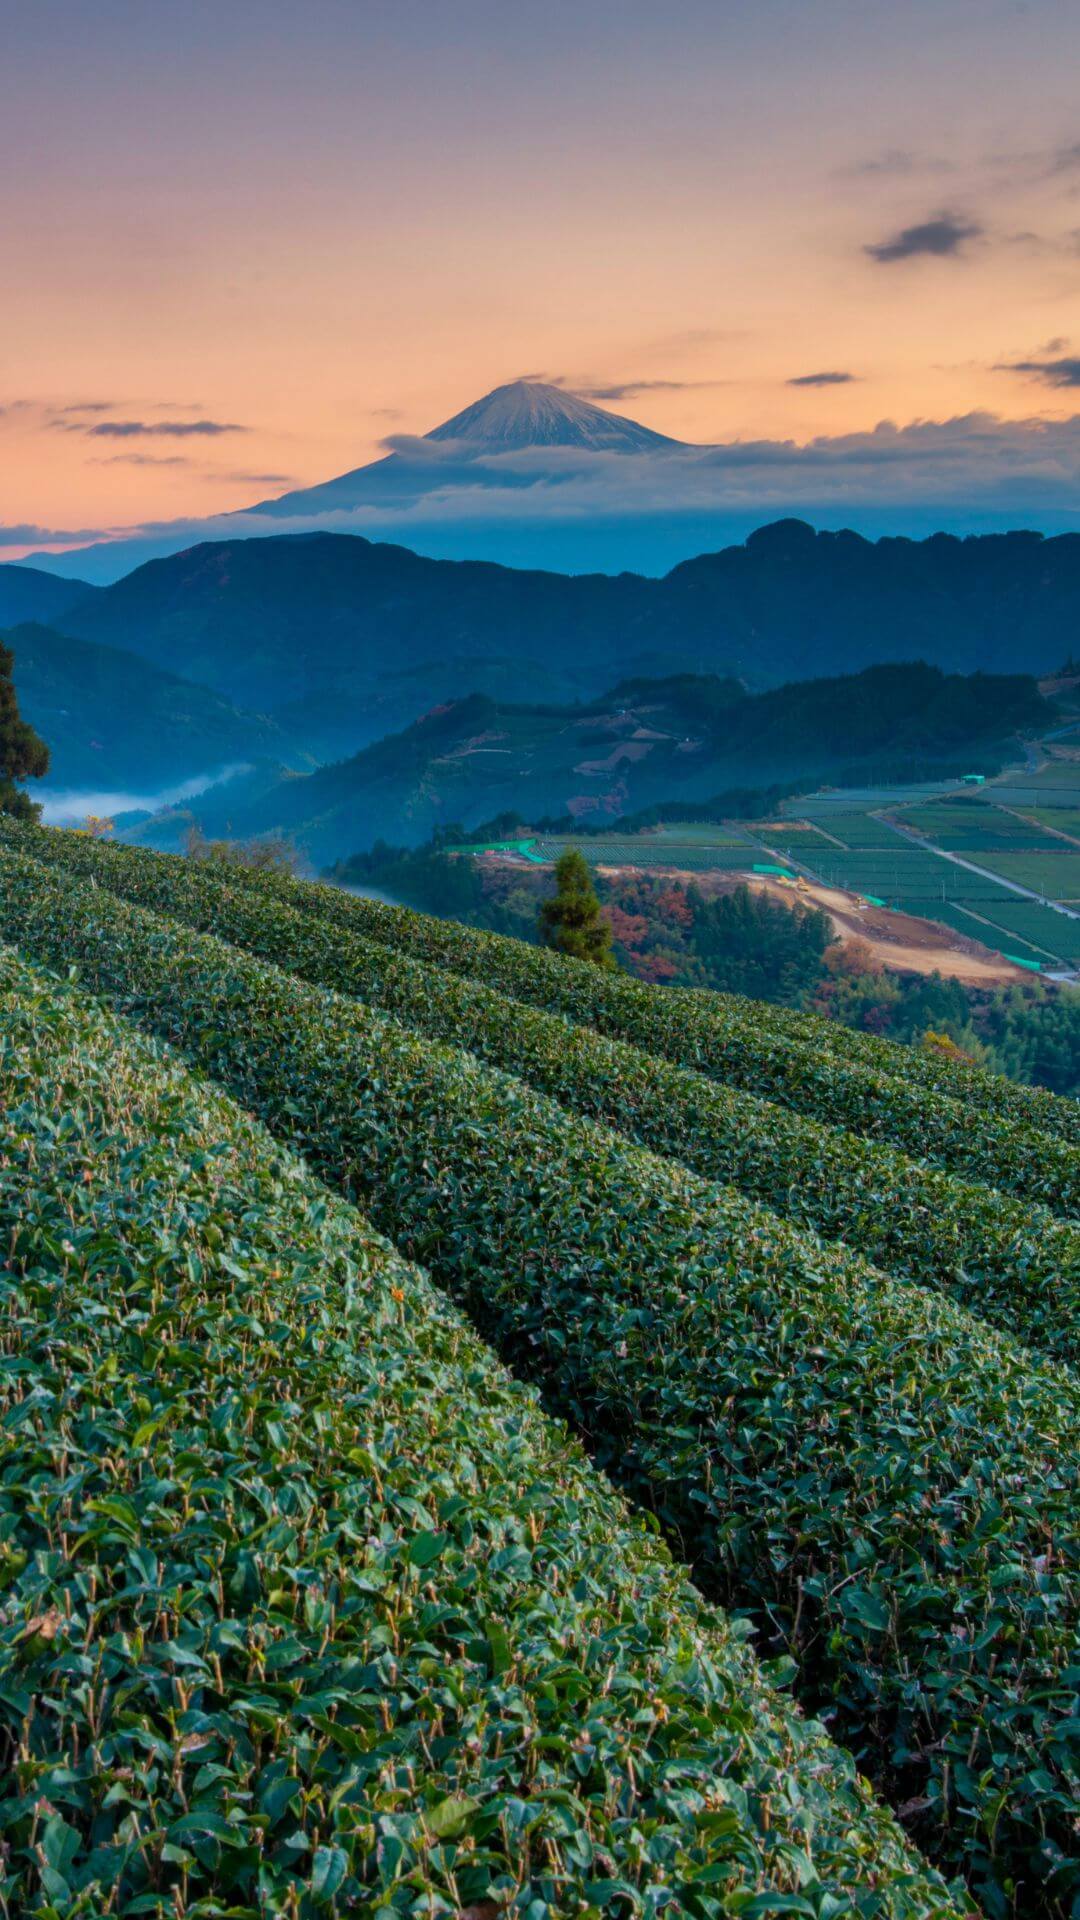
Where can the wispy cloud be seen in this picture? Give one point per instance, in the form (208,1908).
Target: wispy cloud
(943,236)
(149,429)
(896,163)
(1062,372)
(26,534)
(627,389)
(141,460)
(255,479)
(162,429)
(826,379)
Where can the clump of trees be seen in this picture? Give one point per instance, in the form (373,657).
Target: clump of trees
(23,755)
(571,921)
(271,853)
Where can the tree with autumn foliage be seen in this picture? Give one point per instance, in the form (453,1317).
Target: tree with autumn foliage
(23,756)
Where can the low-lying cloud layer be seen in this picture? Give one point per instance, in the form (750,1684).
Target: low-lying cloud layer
(975,469)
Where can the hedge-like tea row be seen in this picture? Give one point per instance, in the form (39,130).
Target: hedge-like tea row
(1017,1266)
(927,1067)
(305,1599)
(929,1070)
(788,1056)
(494,956)
(736,1044)
(888,1484)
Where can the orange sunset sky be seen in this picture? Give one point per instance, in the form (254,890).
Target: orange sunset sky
(244,242)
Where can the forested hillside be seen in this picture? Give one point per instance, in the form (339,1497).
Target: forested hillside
(347,640)
(808,1299)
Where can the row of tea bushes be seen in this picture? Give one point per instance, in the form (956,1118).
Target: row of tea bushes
(1017,1266)
(737,1043)
(494,956)
(470,950)
(926,1067)
(307,1608)
(889,1486)
(859,1081)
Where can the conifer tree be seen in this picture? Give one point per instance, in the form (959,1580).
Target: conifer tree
(572,922)
(22,755)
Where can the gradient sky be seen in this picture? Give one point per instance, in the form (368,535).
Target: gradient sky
(244,241)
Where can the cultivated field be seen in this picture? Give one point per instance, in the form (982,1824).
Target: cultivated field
(808,1299)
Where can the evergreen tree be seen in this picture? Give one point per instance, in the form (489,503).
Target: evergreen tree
(22,755)
(572,922)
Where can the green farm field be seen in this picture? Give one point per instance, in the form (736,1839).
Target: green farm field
(809,1299)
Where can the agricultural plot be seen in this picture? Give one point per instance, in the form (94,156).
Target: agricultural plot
(1053,934)
(527,976)
(971,919)
(1052,871)
(372,1634)
(974,827)
(881,1521)
(1055,785)
(1061,819)
(857,830)
(735,1041)
(649,850)
(926,1226)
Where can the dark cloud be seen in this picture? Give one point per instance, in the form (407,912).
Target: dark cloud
(29,535)
(1066,159)
(141,460)
(828,379)
(626,389)
(255,479)
(150,429)
(1064,372)
(942,236)
(896,162)
(163,429)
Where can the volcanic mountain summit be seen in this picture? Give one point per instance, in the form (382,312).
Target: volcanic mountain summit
(526,413)
(517,417)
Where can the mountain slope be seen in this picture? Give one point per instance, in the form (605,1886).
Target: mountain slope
(347,640)
(527,413)
(114,722)
(513,419)
(351,640)
(646,741)
(26,593)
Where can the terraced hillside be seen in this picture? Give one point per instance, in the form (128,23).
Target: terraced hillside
(808,1300)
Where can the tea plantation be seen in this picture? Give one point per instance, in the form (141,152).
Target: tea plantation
(310,1607)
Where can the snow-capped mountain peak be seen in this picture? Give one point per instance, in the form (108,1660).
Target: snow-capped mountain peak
(528,413)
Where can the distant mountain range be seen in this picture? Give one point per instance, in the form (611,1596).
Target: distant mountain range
(680,739)
(343,641)
(115,725)
(534,476)
(26,593)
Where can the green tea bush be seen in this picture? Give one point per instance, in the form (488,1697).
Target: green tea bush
(738,1043)
(889,1486)
(307,1609)
(1016,1265)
